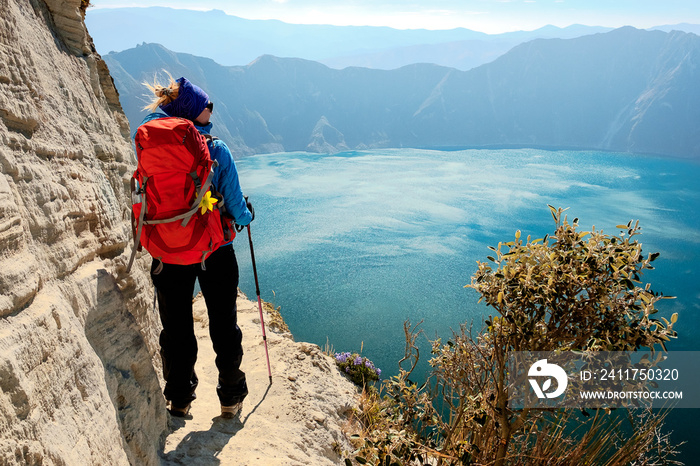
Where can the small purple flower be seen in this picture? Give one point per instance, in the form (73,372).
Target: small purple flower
(347,369)
(369,364)
(340,357)
(379,372)
(357,361)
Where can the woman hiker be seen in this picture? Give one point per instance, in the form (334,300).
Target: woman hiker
(218,279)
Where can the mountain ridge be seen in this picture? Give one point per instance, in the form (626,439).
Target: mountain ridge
(232,40)
(626,90)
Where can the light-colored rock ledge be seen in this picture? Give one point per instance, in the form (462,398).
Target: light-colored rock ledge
(298,420)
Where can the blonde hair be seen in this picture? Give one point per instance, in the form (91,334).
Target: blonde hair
(163,95)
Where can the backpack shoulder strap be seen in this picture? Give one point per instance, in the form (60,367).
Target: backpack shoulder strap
(210,138)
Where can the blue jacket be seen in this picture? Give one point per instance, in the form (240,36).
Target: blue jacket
(225,175)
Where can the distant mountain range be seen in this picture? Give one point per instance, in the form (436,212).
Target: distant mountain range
(626,90)
(230,40)
(684,27)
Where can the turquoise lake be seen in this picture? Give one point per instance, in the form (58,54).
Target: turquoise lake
(351,245)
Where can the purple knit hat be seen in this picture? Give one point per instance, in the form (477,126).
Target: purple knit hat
(191,101)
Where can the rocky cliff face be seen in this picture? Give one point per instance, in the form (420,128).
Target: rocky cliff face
(77,336)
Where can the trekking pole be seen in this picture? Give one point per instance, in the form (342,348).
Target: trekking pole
(257,291)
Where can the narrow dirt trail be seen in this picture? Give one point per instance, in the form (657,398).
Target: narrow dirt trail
(298,420)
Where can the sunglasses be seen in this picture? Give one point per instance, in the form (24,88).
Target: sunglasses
(210,106)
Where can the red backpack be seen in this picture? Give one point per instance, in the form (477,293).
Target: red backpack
(173,176)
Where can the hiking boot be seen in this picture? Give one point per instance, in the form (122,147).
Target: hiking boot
(178,411)
(230,412)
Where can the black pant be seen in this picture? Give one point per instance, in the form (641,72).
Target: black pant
(178,344)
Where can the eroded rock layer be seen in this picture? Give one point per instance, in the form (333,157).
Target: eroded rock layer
(77,335)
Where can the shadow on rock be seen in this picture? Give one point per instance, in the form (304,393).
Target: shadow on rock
(257,405)
(201,448)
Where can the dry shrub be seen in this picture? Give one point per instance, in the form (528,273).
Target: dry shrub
(569,291)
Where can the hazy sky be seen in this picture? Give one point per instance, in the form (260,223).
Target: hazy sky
(490,16)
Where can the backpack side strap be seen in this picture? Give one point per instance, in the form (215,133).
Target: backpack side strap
(139,228)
